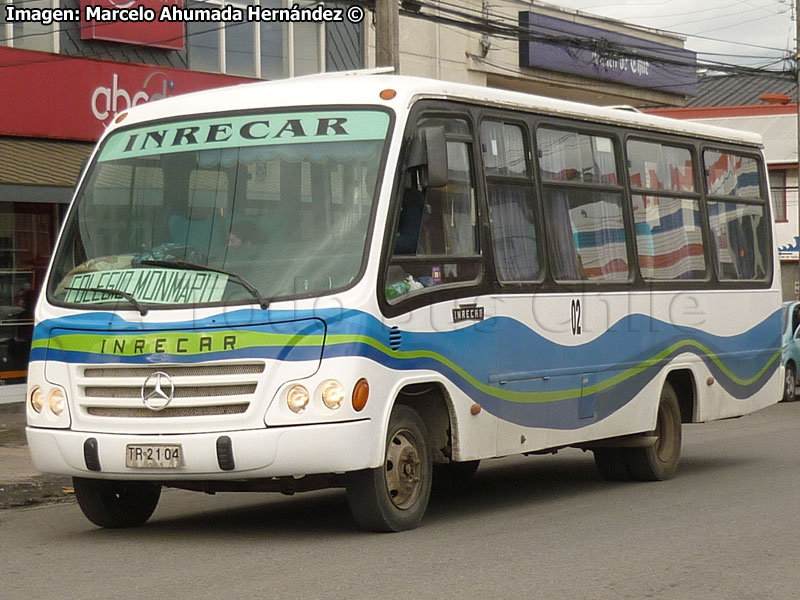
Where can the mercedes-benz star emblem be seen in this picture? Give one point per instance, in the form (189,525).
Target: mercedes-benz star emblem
(158,390)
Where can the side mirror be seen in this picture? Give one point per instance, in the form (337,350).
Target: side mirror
(429,154)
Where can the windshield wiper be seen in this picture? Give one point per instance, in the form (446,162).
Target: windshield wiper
(182,264)
(129,297)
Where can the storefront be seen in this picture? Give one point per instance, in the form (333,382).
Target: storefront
(36,179)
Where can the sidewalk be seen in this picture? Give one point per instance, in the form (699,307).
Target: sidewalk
(20,483)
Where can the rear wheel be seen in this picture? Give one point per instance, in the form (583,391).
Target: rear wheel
(116,504)
(394,496)
(790,384)
(612,463)
(659,461)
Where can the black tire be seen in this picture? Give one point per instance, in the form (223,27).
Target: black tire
(116,504)
(790,384)
(394,496)
(660,461)
(454,473)
(612,464)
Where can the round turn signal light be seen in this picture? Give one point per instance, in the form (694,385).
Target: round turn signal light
(360,395)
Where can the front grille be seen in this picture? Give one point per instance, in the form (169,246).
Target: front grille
(146,413)
(176,371)
(194,391)
(200,390)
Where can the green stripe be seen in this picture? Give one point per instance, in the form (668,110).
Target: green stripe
(552,396)
(92,343)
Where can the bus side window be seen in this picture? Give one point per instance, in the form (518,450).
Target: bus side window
(436,240)
(511,206)
(583,206)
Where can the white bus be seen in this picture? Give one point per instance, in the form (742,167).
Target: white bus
(368,281)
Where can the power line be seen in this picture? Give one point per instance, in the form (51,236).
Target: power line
(482,24)
(502,26)
(517,30)
(530,3)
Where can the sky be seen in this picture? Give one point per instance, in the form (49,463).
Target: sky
(743,32)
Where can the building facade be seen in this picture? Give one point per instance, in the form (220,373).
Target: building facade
(543,49)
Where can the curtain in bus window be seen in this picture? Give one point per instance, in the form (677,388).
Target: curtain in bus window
(603,163)
(561,236)
(739,233)
(732,175)
(587,232)
(669,237)
(658,167)
(570,156)
(503,149)
(513,233)
(601,236)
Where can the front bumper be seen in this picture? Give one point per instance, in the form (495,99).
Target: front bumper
(258,453)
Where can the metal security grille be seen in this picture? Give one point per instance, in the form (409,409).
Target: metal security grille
(176,371)
(146,413)
(193,391)
(205,390)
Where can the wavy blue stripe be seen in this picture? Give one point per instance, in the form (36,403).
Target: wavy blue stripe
(486,350)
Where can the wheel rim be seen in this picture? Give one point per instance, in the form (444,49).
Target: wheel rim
(403,470)
(790,384)
(666,438)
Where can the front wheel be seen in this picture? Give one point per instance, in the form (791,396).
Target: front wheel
(790,384)
(394,496)
(116,504)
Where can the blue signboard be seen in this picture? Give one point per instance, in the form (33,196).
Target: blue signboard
(606,55)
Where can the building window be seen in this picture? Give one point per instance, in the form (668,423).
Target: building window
(266,50)
(777,186)
(28,35)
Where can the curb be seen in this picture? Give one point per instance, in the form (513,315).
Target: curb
(40,489)
(20,484)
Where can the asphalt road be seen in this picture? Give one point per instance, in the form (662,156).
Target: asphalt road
(727,527)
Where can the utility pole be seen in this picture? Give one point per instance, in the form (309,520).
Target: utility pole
(797,92)
(387,34)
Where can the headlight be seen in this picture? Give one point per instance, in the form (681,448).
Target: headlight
(332,393)
(297,398)
(37,399)
(57,401)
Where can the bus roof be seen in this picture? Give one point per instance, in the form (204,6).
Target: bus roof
(363,88)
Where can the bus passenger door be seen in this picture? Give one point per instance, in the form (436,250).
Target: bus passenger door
(433,283)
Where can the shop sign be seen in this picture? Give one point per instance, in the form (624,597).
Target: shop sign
(55,96)
(144,32)
(789,251)
(596,53)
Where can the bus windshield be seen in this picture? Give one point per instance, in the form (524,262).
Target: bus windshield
(279,200)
